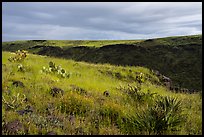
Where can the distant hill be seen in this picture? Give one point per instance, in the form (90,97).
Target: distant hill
(179,58)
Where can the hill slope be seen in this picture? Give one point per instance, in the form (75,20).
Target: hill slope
(179,58)
(92,99)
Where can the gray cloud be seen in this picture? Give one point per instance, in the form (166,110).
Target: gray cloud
(99,20)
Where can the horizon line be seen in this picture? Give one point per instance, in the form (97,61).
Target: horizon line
(104,39)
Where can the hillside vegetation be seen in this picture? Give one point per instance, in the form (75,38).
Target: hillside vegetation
(179,58)
(46,95)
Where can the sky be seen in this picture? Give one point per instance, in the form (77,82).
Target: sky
(99,20)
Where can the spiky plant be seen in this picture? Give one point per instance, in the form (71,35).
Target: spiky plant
(13,102)
(165,115)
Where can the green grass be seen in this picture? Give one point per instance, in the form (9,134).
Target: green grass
(83,98)
(179,58)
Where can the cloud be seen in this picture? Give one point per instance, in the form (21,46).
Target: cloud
(99,20)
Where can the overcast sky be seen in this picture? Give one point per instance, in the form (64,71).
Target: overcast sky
(99,20)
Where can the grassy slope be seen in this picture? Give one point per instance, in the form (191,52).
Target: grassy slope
(65,43)
(93,112)
(179,58)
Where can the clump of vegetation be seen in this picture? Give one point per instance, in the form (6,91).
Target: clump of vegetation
(21,68)
(134,91)
(14,101)
(20,56)
(165,115)
(140,78)
(53,69)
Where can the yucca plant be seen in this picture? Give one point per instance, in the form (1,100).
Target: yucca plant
(165,115)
